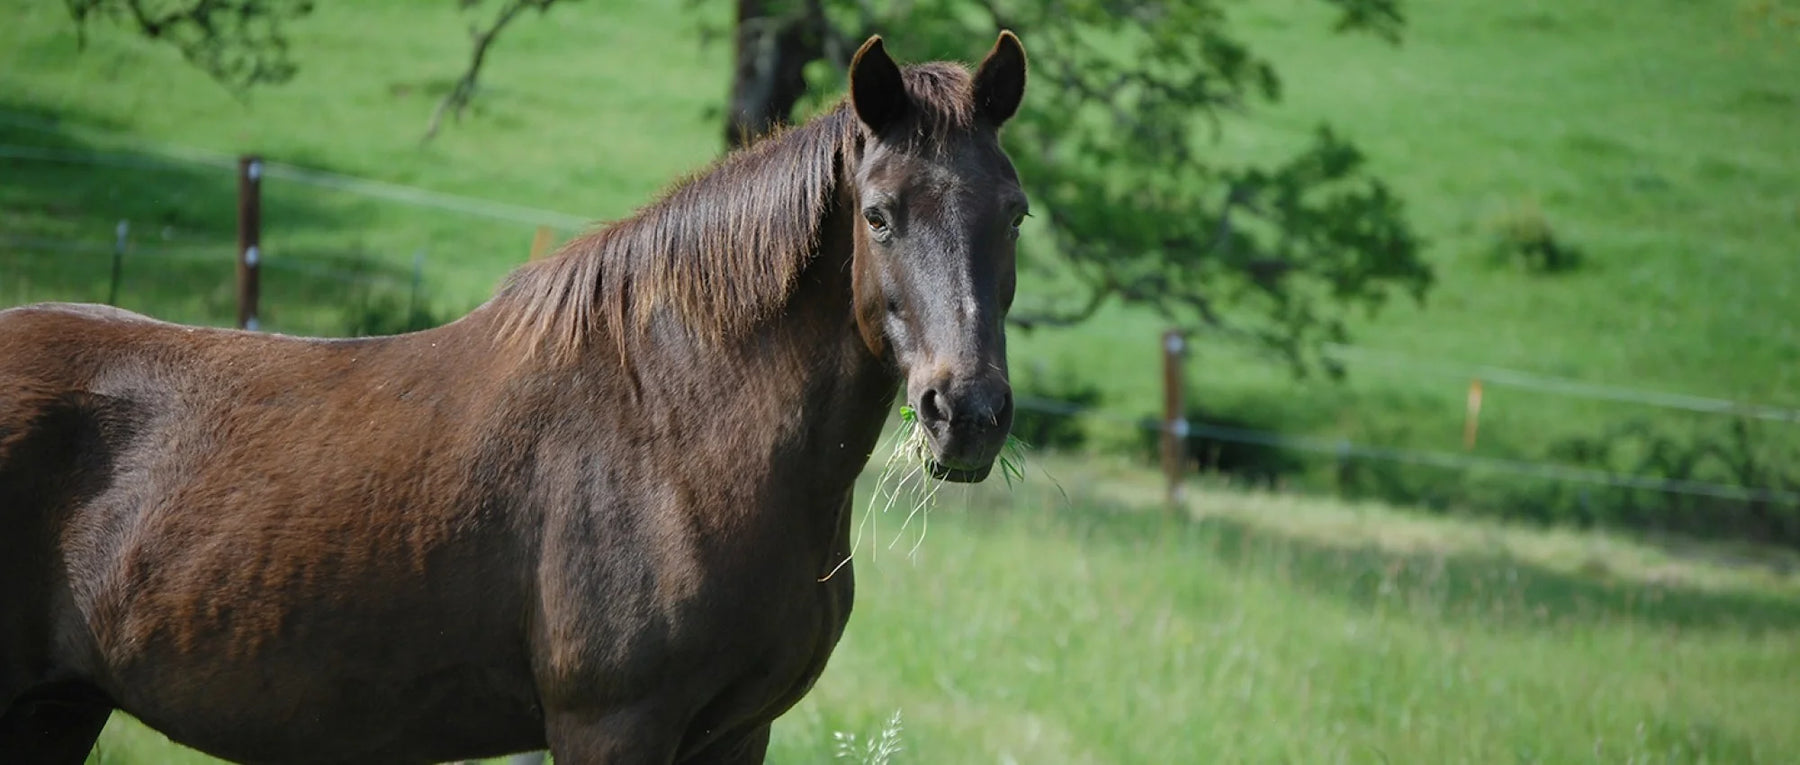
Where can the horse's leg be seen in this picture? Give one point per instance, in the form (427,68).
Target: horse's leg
(53,727)
(747,749)
(628,735)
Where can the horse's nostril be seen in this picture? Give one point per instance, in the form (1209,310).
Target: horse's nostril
(995,405)
(931,407)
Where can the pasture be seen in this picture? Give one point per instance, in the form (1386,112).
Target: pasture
(1034,627)
(1081,625)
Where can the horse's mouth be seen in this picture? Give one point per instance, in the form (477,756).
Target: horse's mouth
(944,472)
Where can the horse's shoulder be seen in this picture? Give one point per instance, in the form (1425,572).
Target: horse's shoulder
(40,422)
(21,410)
(42,376)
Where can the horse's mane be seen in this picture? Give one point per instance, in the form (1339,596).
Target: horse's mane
(724,247)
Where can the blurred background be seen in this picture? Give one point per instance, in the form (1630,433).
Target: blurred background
(1478,438)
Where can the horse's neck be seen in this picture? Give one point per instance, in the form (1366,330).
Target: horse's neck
(788,412)
(808,380)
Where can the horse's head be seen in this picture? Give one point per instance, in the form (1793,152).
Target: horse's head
(939,208)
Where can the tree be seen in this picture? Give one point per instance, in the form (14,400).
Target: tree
(1116,145)
(773,41)
(240,43)
(457,100)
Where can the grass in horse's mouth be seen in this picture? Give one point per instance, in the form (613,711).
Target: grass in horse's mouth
(905,482)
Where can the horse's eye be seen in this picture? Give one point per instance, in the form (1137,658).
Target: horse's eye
(877,223)
(1018,220)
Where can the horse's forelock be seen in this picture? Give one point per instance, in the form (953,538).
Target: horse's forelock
(942,97)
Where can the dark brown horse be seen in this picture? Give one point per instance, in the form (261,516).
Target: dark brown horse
(596,514)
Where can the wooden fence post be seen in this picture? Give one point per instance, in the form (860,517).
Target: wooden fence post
(1472,416)
(540,242)
(249,258)
(1175,424)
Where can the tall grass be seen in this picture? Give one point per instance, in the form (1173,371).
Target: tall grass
(877,749)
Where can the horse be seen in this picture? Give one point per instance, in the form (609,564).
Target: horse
(603,513)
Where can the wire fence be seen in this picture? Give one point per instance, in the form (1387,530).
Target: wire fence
(221,253)
(48,245)
(163,157)
(1501,376)
(1345,449)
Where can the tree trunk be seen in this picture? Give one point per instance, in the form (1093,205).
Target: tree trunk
(775,42)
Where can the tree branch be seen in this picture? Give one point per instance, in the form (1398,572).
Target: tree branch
(457,100)
(238,43)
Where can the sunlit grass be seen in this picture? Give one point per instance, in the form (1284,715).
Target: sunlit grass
(1099,630)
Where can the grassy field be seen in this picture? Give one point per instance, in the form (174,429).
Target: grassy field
(1089,627)
(1657,140)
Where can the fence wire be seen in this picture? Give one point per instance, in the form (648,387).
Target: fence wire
(1346,449)
(392,192)
(1514,378)
(224,254)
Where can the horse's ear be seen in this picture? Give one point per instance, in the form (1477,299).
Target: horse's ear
(1000,80)
(875,87)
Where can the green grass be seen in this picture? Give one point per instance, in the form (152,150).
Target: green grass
(1657,139)
(1029,630)
(1034,627)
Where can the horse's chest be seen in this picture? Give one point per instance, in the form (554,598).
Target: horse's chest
(786,628)
(794,640)
(738,647)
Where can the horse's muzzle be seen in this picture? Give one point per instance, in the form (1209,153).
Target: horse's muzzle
(958,475)
(966,423)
